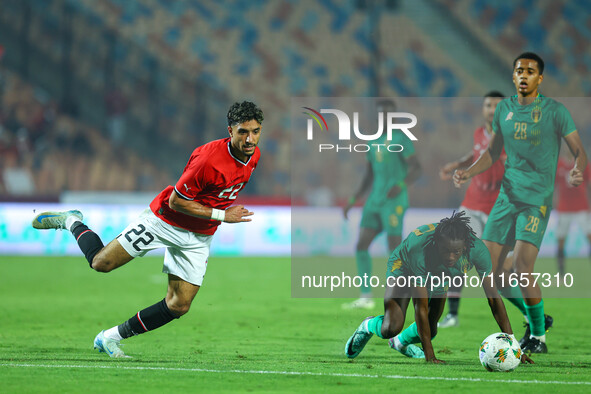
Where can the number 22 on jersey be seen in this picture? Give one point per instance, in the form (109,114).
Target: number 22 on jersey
(232,192)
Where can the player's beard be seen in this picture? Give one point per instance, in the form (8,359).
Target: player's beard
(249,152)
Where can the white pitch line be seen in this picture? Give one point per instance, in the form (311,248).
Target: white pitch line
(297,373)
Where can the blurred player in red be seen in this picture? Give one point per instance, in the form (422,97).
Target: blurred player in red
(479,198)
(573,204)
(182,219)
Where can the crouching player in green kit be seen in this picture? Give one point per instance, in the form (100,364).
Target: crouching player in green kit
(433,251)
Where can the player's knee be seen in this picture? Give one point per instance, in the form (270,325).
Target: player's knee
(433,330)
(179,308)
(523,266)
(101,263)
(361,246)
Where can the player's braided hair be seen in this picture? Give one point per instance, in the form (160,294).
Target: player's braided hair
(243,112)
(455,227)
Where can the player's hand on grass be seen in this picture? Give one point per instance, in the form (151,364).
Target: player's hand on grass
(575,177)
(460,177)
(237,214)
(526,360)
(434,360)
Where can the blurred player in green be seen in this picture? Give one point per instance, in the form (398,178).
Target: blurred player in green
(530,128)
(387,175)
(415,270)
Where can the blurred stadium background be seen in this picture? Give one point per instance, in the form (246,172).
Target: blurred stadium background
(105,99)
(101,104)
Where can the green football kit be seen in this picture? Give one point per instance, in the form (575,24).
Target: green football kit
(389,169)
(417,257)
(531,136)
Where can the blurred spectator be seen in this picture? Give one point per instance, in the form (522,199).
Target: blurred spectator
(45,151)
(116,107)
(18,179)
(318,194)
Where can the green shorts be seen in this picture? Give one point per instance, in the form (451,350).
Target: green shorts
(384,217)
(509,222)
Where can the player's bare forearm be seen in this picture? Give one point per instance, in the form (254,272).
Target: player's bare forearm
(421,304)
(497,306)
(189,207)
(499,312)
(235,214)
(576,147)
(446,172)
(482,164)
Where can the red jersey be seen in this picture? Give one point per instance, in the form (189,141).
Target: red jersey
(570,198)
(484,188)
(212,177)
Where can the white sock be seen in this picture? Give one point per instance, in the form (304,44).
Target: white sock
(70,220)
(541,338)
(113,333)
(397,344)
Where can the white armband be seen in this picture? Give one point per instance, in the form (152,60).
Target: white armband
(218,214)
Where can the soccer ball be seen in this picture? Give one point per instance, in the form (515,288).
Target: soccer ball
(500,352)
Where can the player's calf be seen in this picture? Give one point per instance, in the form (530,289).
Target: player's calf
(89,242)
(390,328)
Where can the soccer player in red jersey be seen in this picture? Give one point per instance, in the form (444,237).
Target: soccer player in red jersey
(182,219)
(573,205)
(479,199)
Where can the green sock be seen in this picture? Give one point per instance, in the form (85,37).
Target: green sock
(363,267)
(537,322)
(514,296)
(409,335)
(375,325)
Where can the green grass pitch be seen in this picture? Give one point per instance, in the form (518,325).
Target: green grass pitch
(245,333)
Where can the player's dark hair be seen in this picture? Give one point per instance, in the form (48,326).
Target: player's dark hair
(243,112)
(455,227)
(531,56)
(494,93)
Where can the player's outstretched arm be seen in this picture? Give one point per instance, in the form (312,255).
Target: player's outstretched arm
(235,214)
(497,306)
(446,172)
(573,140)
(483,163)
(420,301)
(363,188)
